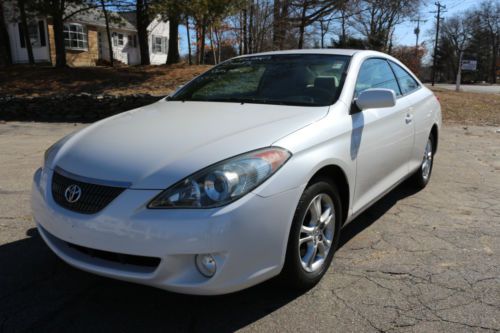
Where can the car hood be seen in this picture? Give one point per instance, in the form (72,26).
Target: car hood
(157,145)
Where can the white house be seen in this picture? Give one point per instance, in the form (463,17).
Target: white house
(85,38)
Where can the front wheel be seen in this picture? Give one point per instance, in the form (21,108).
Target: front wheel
(314,235)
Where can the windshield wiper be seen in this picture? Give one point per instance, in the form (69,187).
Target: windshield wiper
(254,101)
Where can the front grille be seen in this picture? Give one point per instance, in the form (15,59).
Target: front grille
(126,259)
(93,197)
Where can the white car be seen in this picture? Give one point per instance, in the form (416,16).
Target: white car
(247,172)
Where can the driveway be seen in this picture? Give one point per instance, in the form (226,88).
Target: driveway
(493,89)
(426,261)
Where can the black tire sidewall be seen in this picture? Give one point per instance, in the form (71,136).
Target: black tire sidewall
(293,270)
(421,182)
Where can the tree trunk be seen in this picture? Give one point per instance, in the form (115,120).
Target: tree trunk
(24,24)
(202,41)
(142,30)
(198,38)
(459,71)
(245,30)
(190,61)
(276,23)
(302,26)
(5,55)
(173,41)
(283,23)
(212,45)
(322,34)
(108,33)
(59,39)
(217,41)
(343,30)
(494,54)
(240,36)
(251,47)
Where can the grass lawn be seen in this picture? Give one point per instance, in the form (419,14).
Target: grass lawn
(25,81)
(469,108)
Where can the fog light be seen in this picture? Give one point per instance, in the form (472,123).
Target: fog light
(206,265)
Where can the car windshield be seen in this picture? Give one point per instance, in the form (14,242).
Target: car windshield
(286,79)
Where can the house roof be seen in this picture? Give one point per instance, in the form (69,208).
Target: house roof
(95,16)
(130,17)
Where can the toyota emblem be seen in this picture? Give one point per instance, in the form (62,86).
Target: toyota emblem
(73,193)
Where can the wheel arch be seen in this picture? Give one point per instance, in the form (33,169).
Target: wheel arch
(337,175)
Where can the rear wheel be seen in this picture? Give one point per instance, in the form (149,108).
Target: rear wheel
(422,176)
(314,235)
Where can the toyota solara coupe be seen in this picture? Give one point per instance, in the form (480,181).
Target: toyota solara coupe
(247,172)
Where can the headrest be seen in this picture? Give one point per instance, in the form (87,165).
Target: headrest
(327,83)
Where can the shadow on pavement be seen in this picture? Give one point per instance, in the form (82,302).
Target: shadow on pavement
(38,292)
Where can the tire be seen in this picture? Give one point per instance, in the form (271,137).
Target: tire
(422,176)
(296,272)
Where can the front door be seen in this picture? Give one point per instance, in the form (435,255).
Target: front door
(385,136)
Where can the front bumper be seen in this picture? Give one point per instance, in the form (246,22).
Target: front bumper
(248,238)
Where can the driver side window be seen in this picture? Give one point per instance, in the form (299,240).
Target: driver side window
(376,73)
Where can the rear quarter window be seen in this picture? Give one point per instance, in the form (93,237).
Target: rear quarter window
(406,82)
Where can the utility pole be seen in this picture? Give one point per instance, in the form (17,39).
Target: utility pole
(417,32)
(440,9)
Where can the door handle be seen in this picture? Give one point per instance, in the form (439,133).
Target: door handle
(408,118)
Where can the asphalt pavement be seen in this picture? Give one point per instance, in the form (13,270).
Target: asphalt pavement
(425,261)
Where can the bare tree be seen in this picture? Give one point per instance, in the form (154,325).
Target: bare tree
(281,10)
(489,15)
(308,12)
(458,31)
(376,20)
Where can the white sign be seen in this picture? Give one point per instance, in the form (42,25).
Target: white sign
(469,65)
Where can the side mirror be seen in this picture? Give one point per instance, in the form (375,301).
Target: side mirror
(375,98)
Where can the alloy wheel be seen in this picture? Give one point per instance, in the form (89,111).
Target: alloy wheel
(427,161)
(316,233)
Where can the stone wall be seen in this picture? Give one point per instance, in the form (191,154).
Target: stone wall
(70,108)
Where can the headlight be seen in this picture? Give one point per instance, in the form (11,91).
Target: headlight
(223,182)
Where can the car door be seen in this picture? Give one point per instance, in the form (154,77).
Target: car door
(384,136)
(421,109)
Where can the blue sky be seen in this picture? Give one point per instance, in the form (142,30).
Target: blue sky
(404,34)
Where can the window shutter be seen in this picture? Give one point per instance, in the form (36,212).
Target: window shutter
(41,30)
(21,36)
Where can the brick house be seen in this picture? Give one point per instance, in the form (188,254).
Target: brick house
(85,38)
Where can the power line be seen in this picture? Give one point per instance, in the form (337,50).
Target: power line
(440,10)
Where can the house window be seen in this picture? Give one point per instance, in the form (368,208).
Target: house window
(33,34)
(117,39)
(36,34)
(75,36)
(159,44)
(132,40)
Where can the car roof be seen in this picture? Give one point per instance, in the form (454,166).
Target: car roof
(347,52)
